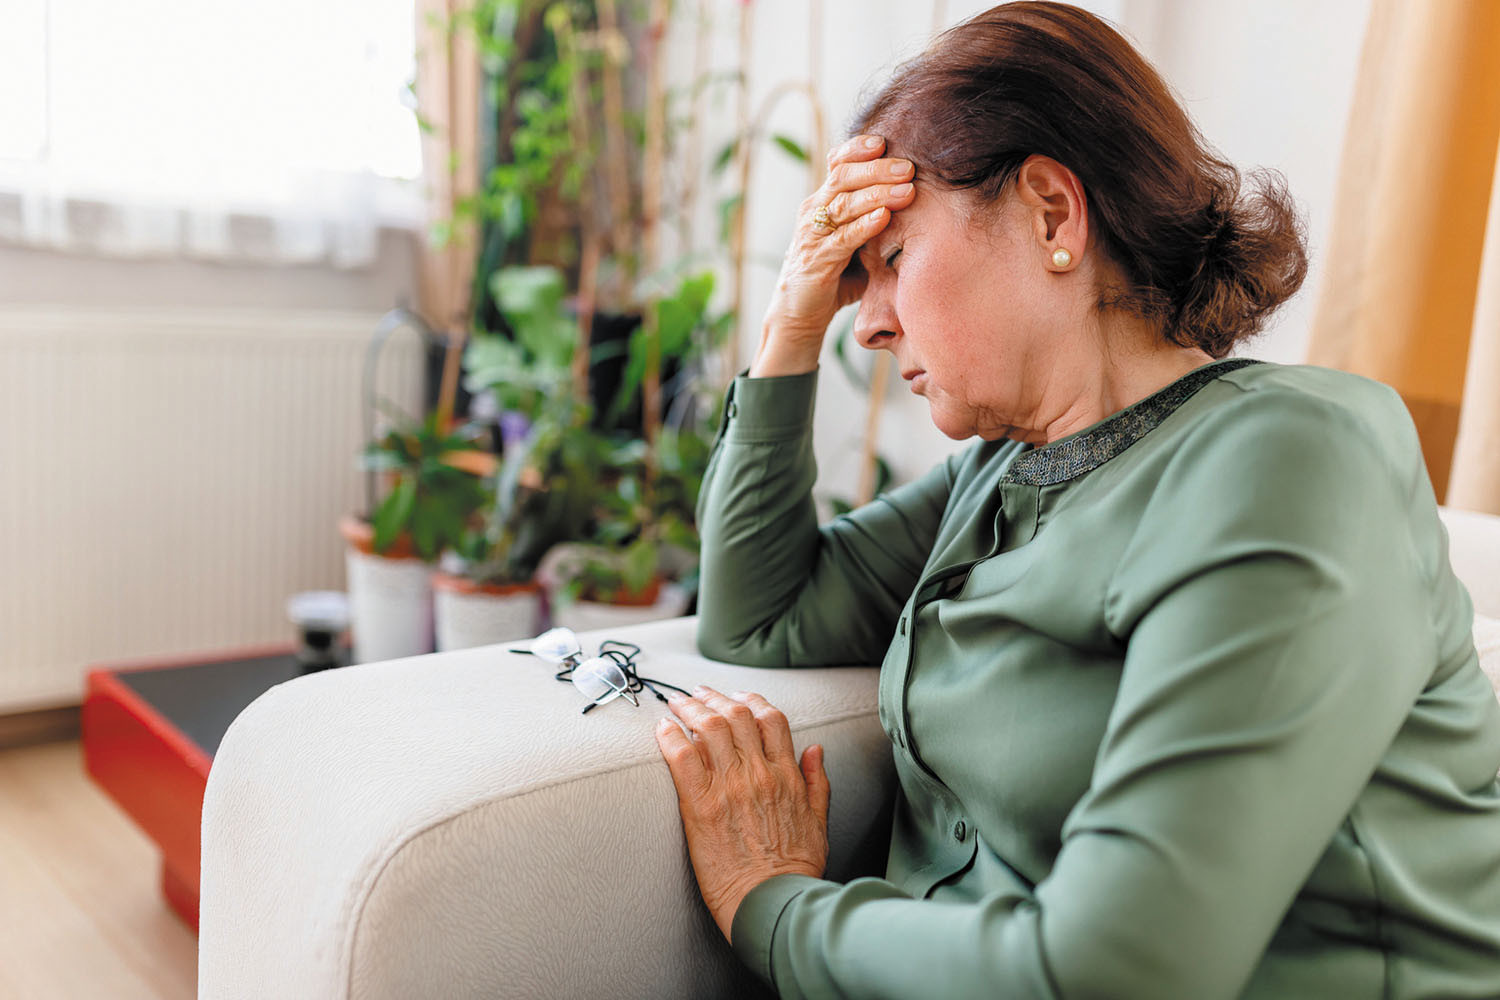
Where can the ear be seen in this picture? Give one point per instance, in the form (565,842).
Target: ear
(1056,208)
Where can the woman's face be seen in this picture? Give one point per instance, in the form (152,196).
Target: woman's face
(966,309)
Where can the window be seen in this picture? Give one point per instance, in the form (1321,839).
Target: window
(281,129)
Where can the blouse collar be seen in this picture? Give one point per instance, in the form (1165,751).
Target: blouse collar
(1072,456)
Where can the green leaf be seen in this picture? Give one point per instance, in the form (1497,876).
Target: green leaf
(640,564)
(725,156)
(727,209)
(394,513)
(528,290)
(424,538)
(531,298)
(791,146)
(632,376)
(679,314)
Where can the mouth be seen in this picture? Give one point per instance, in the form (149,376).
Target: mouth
(912,373)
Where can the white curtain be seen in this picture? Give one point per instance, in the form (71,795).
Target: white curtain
(277,131)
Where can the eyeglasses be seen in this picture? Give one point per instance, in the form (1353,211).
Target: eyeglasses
(600,678)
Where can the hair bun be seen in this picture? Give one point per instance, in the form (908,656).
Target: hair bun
(1252,260)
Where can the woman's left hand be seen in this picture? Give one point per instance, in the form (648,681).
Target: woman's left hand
(749,809)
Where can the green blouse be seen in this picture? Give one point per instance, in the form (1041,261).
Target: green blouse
(1184,705)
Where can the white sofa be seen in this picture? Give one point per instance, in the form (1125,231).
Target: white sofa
(451,826)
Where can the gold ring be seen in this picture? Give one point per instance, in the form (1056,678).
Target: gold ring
(823,220)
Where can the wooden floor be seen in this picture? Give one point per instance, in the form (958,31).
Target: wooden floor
(81,914)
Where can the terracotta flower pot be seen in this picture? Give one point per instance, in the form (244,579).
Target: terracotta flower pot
(390,596)
(472,614)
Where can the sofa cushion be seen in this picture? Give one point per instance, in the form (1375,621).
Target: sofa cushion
(1487,641)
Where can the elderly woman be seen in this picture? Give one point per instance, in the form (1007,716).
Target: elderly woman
(1180,686)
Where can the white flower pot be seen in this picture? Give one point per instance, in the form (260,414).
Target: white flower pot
(585,616)
(390,598)
(469,614)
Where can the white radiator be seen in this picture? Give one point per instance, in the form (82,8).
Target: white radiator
(169,477)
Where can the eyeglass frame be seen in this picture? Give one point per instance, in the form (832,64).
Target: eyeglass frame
(622,654)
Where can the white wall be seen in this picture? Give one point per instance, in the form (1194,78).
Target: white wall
(1268,82)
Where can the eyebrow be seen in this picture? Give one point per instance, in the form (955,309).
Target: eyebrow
(881,244)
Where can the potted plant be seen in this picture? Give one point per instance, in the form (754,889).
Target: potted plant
(540,493)
(436,491)
(639,561)
(576,183)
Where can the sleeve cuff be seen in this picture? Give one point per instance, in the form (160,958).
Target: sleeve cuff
(754,926)
(777,408)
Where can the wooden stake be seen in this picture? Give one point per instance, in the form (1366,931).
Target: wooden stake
(590,239)
(615,51)
(651,194)
(737,224)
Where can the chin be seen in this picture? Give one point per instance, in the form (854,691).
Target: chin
(950,425)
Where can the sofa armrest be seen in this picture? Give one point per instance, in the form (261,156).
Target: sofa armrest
(451,825)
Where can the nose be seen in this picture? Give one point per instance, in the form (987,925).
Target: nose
(876,325)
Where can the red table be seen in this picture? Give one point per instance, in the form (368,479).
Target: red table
(150,731)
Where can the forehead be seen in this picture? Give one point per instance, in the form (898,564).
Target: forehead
(936,212)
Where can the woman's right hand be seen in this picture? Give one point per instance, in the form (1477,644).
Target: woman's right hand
(860,193)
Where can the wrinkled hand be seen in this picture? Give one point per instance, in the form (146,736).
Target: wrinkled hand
(749,809)
(861,191)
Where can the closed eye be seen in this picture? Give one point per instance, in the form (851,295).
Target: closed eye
(891,260)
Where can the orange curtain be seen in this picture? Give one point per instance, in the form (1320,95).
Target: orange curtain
(448,92)
(1476,460)
(1403,265)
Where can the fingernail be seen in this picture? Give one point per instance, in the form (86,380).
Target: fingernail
(900,190)
(872,141)
(664,724)
(899,168)
(676,697)
(739,695)
(700,691)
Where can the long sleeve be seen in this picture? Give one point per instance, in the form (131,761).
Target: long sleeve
(775,589)
(1275,610)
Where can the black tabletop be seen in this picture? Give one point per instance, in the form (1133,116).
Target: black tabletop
(202,700)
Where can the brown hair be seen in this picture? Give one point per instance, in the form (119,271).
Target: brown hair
(1033,77)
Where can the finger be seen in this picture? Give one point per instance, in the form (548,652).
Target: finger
(683,760)
(715,737)
(835,249)
(816,777)
(859,147)
(853,176)
(775,731)
(742,721)
(853,204)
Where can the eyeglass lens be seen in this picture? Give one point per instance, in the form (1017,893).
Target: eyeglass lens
(601,679)
(556,645)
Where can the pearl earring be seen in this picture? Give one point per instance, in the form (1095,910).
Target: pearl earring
(1061,257)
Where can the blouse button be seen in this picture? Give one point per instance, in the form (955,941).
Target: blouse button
(903,625)
(734,409)
(959,830)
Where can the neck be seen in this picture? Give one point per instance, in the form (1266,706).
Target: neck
(1089,385)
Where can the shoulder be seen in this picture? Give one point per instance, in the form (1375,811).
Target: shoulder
(1274,456)
(1274,395)
(1294,464)
(1300,425)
